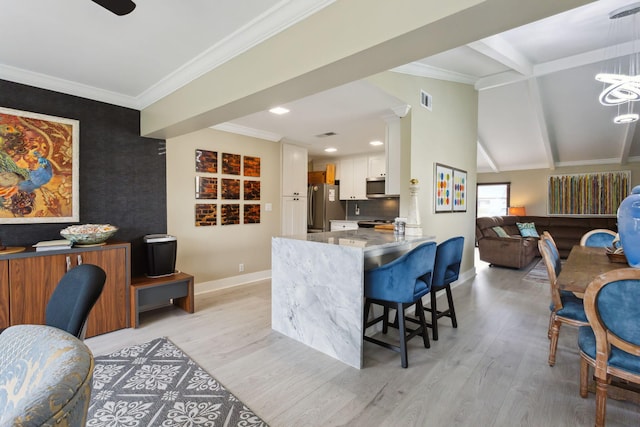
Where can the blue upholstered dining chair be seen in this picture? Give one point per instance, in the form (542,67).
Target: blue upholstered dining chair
(45,377)
(599,237)
(565,306)
(445,272)
(611,342)
(398,285)
(74,297)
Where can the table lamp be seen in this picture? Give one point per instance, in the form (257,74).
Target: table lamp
(517,210)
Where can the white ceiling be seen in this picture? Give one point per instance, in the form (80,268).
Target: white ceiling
(538,103)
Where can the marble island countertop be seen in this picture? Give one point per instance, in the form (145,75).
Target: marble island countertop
(365,238)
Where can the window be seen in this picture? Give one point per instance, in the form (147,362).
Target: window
(493,199)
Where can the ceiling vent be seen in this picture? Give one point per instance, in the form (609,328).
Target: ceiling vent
(426,100)
(326,134)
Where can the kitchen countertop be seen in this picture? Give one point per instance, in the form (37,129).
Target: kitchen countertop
(366,238)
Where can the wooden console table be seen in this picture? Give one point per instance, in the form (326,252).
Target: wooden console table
(147,290)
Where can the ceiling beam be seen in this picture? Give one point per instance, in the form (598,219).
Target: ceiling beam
(544,68)
(536,104)
(500,50)
(484,153)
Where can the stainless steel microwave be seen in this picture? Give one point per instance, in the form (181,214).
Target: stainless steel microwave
(376,188)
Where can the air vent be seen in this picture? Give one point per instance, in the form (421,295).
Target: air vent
(426,100)
(326,134)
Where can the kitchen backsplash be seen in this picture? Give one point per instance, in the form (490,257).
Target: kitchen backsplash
(373,209)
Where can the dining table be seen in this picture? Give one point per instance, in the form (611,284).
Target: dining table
(584,264)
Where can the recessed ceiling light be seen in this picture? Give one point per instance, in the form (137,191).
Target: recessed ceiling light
(376,143)
(279,110)
(330,149)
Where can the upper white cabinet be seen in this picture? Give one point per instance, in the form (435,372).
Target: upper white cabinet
(353,172)
(294,170)
(377,166)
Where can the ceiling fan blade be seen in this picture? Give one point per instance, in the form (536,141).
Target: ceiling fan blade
(119,7)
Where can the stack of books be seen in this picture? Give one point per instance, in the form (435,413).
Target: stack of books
(53,245)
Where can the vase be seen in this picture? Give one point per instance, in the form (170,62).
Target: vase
(629,227)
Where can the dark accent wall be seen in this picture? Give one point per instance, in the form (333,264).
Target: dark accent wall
(122,177)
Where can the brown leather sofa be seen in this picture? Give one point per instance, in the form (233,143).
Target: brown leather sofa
(516,251)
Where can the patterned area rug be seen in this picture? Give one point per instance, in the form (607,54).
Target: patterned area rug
(538,274)
(156,384)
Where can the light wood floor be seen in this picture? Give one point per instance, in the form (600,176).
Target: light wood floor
(490,371)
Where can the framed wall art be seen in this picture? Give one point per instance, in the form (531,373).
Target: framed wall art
(251,166)
(443,188)
(252,213)
(252,190)
(206,187)
(206,214)
(39,168)
(230,189)
(459,190)
(206,161)
(230,214)
(597,193)
(231,164)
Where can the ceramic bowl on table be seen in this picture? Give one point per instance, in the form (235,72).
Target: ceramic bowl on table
(88,234)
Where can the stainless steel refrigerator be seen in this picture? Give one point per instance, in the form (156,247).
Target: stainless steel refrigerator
(324,205)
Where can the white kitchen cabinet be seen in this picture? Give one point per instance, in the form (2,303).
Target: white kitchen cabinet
(294,170)
(377,166)
(353,178)
(294,215)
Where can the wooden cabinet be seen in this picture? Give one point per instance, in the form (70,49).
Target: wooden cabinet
(294,216)
(32,278)
(353,178)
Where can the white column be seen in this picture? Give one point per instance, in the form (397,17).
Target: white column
(413,227)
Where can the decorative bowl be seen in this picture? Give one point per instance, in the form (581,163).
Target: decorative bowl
(88,234)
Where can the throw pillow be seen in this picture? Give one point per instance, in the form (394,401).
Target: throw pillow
(500,231)
(527,229)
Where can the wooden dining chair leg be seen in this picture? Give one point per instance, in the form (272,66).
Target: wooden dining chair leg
(551,319)
(423,325)
(452,310)
(584,377)
(553,345)
(601,401)
(403,336)
(434,316)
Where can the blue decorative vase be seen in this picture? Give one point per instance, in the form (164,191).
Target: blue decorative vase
(629,226)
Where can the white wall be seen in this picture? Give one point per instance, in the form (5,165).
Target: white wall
(529,187)
(446,135)
(214,252)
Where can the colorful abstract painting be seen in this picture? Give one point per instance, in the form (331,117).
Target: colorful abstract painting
(39,168)
(206,161)
(459,190)
(252,214)
(443,188)
(598,193)
(251,166)
(231,164)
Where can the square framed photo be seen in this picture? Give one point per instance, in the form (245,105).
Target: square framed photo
(206,161)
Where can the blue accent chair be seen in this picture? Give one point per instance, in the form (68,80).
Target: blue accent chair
(74,297)
(398,285)
(446,271)
(45,377)
(611,342)
(599,238)
(565,306)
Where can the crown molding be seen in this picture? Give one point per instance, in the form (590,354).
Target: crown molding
(275,20)
(247,131)
(68,87)
(423,70)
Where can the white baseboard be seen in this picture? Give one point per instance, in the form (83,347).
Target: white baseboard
(467,275)
(230,282)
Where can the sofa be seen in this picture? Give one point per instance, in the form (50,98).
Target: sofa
(516,251)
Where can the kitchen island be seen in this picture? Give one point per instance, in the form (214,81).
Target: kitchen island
(317,286)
